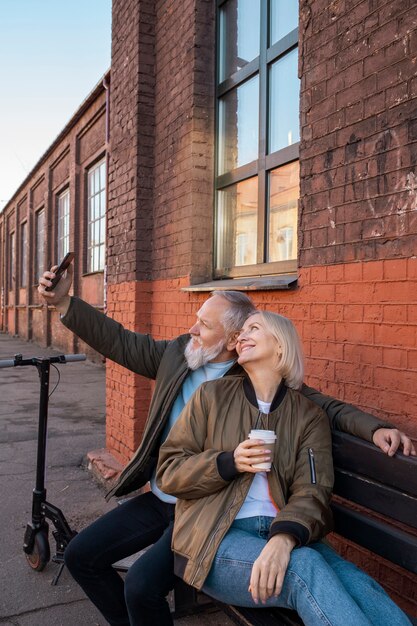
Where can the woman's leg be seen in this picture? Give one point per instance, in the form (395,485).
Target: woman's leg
(310,586)
(367,593)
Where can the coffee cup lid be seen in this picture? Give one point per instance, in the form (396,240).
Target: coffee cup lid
(262,434)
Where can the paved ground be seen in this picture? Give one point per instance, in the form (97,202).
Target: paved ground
(76,425)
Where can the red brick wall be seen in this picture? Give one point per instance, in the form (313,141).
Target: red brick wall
(358,325)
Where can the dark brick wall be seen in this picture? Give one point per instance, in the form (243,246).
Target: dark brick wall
(132,141)
(184,157)
(359,130)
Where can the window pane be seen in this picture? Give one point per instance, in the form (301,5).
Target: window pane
(237,220)
(239,35)
(284,124)
(238,126)
(282,215)
(23,255)
(284,18)
(40,223)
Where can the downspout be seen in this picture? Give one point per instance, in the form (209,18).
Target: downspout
(106,85)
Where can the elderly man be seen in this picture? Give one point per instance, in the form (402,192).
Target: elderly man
(178,367)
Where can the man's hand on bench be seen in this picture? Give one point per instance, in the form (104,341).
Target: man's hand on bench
(390,439)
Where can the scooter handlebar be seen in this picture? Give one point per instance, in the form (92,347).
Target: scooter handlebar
(7,363)
(63,358)
(74,357)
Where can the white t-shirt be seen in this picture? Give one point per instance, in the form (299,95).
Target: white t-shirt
(258,501)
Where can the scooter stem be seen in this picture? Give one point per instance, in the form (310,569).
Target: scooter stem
(39,493)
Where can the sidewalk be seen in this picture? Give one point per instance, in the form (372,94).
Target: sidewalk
(76,425)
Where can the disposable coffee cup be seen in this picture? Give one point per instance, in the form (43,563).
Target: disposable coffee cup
(268,437)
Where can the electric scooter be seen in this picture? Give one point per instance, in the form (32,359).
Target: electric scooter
(36,541)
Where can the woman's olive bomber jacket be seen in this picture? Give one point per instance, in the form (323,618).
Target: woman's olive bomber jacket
(196,465)
(164,362)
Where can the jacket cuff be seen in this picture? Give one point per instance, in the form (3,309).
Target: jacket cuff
(296,530)
(66,319)
(226,466)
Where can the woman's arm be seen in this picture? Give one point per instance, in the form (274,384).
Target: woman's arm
(185,469)
(307,514)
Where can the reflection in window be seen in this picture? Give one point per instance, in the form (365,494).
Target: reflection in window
(238,126)
(96,217)
(284,18)
(237,224)
(40,244)
(282,212)
(239,26)
(63,225)
(23,253)
(284,124)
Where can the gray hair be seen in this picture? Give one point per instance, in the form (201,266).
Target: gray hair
(241,307)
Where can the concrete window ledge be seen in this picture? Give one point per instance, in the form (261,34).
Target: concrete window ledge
(253,283)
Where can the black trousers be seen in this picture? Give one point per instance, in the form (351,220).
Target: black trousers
(139,600)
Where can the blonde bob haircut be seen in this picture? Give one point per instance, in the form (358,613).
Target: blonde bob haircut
(290,364)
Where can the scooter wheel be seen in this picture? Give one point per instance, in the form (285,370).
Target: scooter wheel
(41,553)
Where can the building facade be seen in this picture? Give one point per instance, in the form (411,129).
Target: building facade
(60,206)
(253,144)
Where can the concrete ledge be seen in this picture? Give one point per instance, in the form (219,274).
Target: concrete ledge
(103,466)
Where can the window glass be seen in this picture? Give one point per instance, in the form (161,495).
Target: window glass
(284,18)
(239,26)
(96,217)
(257,122)
(40,243)
(237,224)
(282,212)
(23,254)
(238,126)
(12,266)
(63,225)
(284,123)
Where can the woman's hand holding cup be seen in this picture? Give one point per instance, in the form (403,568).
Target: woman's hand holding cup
(249,453)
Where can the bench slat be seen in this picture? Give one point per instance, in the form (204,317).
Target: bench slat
(391,543)
(377,497)
(261,617)
(360,457)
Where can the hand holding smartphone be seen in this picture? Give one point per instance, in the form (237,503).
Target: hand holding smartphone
(66,261)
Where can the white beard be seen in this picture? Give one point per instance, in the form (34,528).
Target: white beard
(197,357)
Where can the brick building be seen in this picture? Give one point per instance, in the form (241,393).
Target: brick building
(60,206)
(270,148)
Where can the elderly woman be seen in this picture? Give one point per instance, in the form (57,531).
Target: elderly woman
(245,535)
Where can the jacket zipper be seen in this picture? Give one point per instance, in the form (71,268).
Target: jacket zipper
(312,466)
(215,532)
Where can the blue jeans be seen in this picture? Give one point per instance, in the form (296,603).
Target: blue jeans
(322,587)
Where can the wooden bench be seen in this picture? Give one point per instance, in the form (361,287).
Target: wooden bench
(374,505)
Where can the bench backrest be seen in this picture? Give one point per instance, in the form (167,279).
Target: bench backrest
(387,486)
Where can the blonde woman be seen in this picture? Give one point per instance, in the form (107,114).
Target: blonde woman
(251,537)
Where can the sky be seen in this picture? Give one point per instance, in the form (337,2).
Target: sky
(52,54)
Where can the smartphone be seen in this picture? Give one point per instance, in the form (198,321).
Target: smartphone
(66,261)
